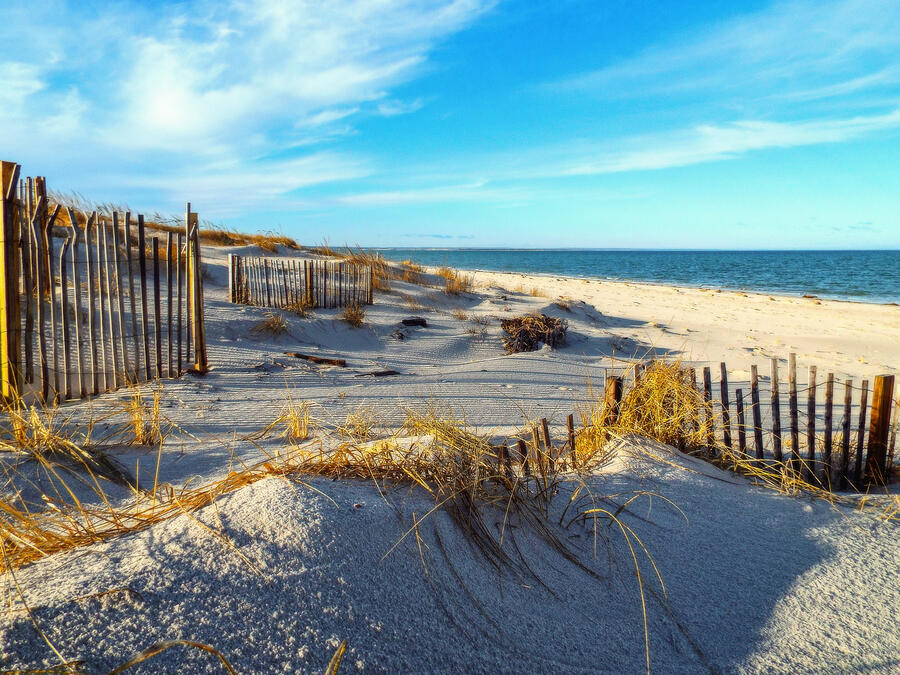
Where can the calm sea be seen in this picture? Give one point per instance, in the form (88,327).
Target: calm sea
(866,276)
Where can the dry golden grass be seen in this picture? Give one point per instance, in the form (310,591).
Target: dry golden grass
(411,301)
(354,314)
(565,304)
(144,426)
(274,324)
(666,405)
(459,315)
(359,424)
(210,235)
(456,282)
(301,307)
(296,422)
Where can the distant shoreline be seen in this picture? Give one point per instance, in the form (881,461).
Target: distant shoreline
(871,277)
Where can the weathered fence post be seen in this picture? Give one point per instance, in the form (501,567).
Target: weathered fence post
(845,431)
(570,427)
(742,431)
(757,413)
(793,411)
(879,426)
(826,448)
(195,291)
(861,435)
(710,417)
(612,399)
(9,278)
(726,413)
(809,470)
(776,413)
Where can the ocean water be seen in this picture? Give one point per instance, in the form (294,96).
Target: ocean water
(863,276)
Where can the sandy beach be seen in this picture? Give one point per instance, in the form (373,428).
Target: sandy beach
(276,574)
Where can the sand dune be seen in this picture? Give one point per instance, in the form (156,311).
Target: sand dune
(754,581)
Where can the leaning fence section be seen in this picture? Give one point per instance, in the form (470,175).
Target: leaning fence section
(836,434)
(93,301)
(290,283)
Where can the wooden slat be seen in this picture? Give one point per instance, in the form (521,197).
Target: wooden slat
(827,461)
(9,279)
(757,413)
(793,411)
(741,428)
(170,277)
(157,310)
(103,369)
(64,315)
(860,435)
(809,469)
(117,265)
(76,285)
(523,457)
(710,416)
(28,290)
(775,403)
(726,413)
(92,304)
(570,427)
(145,314)
(132,302)
(111,379)
(179,282)
(548,445)
(845,431)
(56,379)
(879,427)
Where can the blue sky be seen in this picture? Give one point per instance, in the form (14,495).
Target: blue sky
(471,123)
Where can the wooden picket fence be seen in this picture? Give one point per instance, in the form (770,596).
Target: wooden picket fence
(90,302)
(851,450)
(287,283)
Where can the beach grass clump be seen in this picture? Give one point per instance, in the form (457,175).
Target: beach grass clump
(354,314)
(528,333)
(459,314)
(144,422)
(273,324)
(565,304)
(359,425)
(301,306)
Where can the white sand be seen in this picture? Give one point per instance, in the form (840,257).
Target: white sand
(756,582)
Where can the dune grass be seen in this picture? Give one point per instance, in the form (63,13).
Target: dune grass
(455,282)
(210,234)
(353,314)
(273,324)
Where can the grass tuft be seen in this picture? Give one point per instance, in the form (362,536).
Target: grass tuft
(274,324)
(354,314)
(144,421)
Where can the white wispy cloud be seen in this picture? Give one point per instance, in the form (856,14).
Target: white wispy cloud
(708,143)
(207,81)
(798,48)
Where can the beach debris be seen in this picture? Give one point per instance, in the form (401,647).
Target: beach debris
(528,333)
(379,373)
(415,321)
(342,363)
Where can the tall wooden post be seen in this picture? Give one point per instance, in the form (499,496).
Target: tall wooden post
(879,426)
(195,290)
(10,370)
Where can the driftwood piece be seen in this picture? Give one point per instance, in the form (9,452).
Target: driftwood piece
(379,373)
(415,321)
(342,363)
